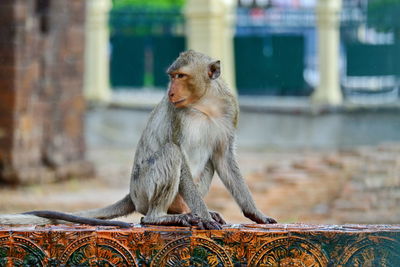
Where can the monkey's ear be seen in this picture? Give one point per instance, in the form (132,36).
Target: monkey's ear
(214,69)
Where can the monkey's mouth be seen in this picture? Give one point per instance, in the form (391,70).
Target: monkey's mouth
(179,101)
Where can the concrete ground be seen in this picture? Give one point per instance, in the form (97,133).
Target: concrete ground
(312,184)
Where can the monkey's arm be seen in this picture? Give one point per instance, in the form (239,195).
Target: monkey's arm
(228,170)
(205,178)
(204,185)
(191,194)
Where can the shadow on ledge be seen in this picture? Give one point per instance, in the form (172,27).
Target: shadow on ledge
(235,245)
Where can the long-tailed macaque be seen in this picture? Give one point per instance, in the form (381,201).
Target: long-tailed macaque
(189,135)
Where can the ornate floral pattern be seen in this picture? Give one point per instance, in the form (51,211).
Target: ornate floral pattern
(245,245)
(289,251)
(192,251)
(372,251)
(19,251)
(89,251)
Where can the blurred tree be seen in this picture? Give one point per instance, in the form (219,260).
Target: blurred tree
(157,4)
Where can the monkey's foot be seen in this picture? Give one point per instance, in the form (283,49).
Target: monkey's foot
(260,218)
(186,220)
(217,217)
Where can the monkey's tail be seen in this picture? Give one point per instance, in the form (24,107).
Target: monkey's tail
(19,219)
(123,207)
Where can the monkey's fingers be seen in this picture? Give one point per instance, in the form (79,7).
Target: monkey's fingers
(193,219)
(184,221)
(270,220)
(260,218)
(209,225)
(265,220)
(217,217)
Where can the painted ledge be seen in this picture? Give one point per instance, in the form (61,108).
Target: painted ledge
(235,245)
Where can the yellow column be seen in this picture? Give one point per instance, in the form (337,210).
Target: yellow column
(96,84)
(328,91)
(210,30)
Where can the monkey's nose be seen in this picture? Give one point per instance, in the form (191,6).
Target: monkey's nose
(171,94)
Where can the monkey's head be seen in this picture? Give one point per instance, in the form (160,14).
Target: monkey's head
(190,77)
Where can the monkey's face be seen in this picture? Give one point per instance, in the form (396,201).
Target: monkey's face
(182,90)
(191,74)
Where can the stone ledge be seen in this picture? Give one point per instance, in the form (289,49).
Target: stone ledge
(235,245)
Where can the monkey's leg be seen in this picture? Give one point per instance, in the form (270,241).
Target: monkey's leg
(159,181)
(179,206)
(158,208)
(162,193)
(155,186)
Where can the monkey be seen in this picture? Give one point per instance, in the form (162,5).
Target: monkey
(189,136)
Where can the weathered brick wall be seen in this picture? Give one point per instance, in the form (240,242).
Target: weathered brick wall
(41,100)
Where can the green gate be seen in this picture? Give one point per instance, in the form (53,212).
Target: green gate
(143,43)
(373,60)
(270,65)
(127,64)
(165,50)
(138,61)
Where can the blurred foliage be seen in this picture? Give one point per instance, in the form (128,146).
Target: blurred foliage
(384,14)
(153,4)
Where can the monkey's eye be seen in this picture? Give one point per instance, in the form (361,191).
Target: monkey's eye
(179,75)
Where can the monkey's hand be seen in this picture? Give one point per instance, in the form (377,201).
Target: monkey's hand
(260,218)
(217,217)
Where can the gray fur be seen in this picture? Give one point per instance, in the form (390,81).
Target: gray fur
(177,153)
